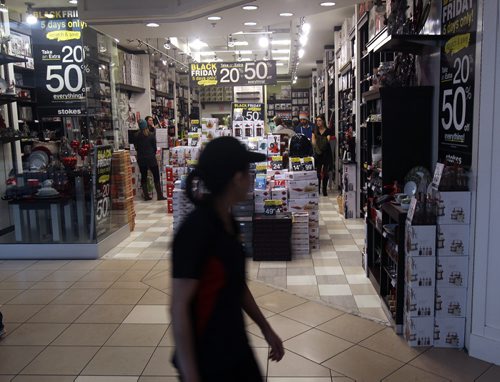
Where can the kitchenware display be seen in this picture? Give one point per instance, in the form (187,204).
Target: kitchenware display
(410,188)
(47,192)
(38,160)
(416,174)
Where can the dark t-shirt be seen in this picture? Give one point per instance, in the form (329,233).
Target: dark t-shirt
(146,147)
(203,250)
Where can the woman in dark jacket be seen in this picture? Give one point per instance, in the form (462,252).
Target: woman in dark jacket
(322,152)
(145,144)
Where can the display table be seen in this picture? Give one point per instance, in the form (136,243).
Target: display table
(29,225)
(272,238)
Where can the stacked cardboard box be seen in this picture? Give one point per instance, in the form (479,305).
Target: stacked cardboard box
(420,249)
(122,191)
(182,206)
(300,234)
(303,186)
(452,268)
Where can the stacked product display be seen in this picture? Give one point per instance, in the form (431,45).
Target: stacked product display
(452,267)
(181,205)
(122,190)
(300,234)
(349,190)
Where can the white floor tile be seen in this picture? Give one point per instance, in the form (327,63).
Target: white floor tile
(149,314)
(346,248)
(325,271)
(301,280)
(357,279)
(139,244)
(367,301)
(335,290)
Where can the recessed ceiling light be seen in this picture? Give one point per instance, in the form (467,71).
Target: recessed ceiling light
(250,23)
(303,40)
(214,18)
(263,42)
(152,25)
(117,41)
(197,44)
(301,53)
(306,28)
(73,1)
(286,14)
(250,7)
(327,4)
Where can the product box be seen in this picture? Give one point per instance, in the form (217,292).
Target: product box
(349,204)
(279,174)
(170,206)
(302,175)
(419,301)
(449,332)
(273,145)
(261,195)
(419,331)
(248,129)
(452,271)
(305,205)
(259,130)
(170,189)
(238,129)
(453,239)
(451,302)
(169,171)
(303,189)
(454,207)
(420,240)
(279,194)
(421,271)
(259,208)
(300,217)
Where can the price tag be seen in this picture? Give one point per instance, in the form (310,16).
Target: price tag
(438,173)
(296,164)
(308,164)
(277,163)
(411,210)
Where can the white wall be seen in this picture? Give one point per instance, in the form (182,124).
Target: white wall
(484,341)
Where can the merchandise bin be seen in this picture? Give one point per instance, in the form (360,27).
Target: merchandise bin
(272,238)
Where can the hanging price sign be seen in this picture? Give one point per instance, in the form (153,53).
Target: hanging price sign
(248,112)
(60,62)
(457,72)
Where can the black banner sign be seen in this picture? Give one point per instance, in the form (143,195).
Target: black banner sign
(233,73)
(248,111)
(60,63)
(457,72)
(101,181)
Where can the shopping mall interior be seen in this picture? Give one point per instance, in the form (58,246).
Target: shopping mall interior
(369,231)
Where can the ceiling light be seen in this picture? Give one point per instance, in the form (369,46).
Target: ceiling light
(303,40)
(164,62)
(281,51)
(250,23)
(263,42)
(117,41)
(250,7)
(281,58)
(152,25)
(214,18)
(301,53)
(240,43)
(73,1)
(280,42)
(197,44)
(327,4)
(31,19)
(306,28)
(286,14)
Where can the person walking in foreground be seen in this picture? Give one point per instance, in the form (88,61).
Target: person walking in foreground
(145,144)
(322,152)
(208,268)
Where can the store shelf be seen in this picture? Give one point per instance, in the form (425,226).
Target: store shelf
(25,87)
(163,94)
(8,59)
(403,43)
(5,140)
(130,88)
(345,68)
(23,69)
(362,21)
(371,95)
(7,98)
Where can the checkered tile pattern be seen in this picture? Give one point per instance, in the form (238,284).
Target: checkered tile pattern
(332,274)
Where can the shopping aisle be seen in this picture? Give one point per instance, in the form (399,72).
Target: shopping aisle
(333,274)
(83,320)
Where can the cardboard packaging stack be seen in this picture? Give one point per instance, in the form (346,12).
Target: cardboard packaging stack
(303,187)
(420,249)
(349,190)
(452,267)
(179,160)
(300,234)
(122,192)
(182,206)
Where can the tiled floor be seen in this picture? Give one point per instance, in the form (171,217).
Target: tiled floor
(108,320)
(333,274)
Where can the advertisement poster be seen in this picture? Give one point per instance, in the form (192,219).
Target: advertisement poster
(101,181)
(233,73)
(248,111)
(457,75)
(60,63)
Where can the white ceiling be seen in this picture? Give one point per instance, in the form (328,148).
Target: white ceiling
(126,20)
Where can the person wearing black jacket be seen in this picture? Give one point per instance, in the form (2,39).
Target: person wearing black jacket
(145,144)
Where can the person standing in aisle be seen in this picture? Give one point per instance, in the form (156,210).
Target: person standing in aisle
(145,144)
(305,127)
(322,152)
(208,268)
